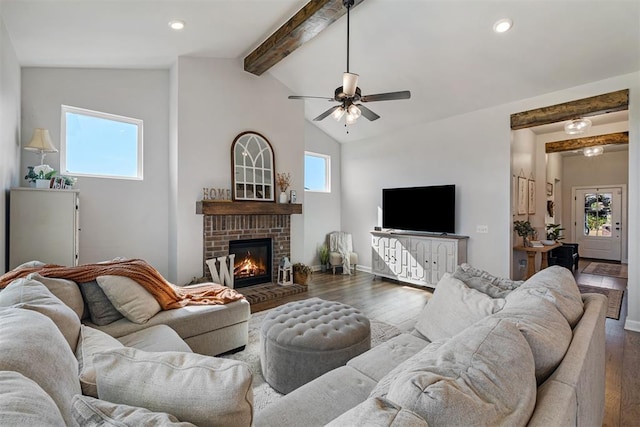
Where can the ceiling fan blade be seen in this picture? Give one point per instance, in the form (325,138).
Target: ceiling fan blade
(389,96)
(326,113)
(367,112)
(310,97)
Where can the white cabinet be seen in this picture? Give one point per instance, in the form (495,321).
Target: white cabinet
(43,226)
(416,258)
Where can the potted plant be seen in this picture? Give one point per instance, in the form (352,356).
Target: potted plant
(323,254)
(524,230)
(41,175)
(301,273)
(553,232)
(284,181)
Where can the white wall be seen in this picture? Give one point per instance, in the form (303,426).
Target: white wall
(470,151)
(117,217)
(322,210)
(216,101)
(554,177)
(524,163)
(9,133)
(473,151)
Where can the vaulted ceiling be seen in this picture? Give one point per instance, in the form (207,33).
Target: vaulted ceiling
(444,51)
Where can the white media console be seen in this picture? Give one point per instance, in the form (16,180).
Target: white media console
(417,258)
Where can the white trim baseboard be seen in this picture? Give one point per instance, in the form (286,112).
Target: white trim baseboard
(632,325)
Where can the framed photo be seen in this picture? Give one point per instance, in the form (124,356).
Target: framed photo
(522,195)
(549,189)
(532,197)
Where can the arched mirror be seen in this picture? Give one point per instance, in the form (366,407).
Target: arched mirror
(253,168)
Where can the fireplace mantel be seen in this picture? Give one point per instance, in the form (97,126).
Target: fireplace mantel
(213,207)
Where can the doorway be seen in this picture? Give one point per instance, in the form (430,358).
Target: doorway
(599,222)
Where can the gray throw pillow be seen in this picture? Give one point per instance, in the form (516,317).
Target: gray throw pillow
(24,403)
(483,281)
(483,376)
(101,311)
(90,412)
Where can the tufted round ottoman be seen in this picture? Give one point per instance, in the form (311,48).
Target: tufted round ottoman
(302,340)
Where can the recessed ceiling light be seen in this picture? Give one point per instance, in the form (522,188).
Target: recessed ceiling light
(176,25)
(503,25)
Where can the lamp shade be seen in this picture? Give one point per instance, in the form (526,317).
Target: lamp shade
(41,142)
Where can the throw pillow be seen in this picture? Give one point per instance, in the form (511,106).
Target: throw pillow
(543,326)
(66,290)
(557,284)
(483,281)
(30,264)
(203,390)
(101,311)
(32,295)
(90,412)
(24,403)
(378,412)
(129,298)
(91,341)
(453,307)
(482,376)
(27,338)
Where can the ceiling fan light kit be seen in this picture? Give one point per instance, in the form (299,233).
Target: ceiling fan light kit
(349,94)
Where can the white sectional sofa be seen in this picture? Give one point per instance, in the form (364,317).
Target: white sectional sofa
(484,351)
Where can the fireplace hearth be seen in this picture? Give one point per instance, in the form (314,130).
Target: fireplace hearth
(253,261)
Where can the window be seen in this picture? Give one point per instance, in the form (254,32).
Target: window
(100,144)
(317,172)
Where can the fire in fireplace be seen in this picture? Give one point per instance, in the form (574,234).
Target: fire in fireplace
(252,263)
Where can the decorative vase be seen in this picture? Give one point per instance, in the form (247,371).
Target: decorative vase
(525,242)
(283,197)
(43,183)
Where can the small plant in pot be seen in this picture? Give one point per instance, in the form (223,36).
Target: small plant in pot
(323,254)
(301,273)
(553,232)
(524,230)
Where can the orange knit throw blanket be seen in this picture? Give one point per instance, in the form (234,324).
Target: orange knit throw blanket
(168,295)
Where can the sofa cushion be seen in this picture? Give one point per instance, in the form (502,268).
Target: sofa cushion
(485,282)
(453,307)
(24,403)
(101,310)
(129,298)
(90,412)
(33,295)
(557,285)
(67,291)
(155,338)
(188,321)
(378,412)
(203,390)
(91,341)
(381,359)
(485,373)
(26,339)
(543,326)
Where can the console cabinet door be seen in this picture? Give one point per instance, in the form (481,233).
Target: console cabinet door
(444,259)
(420,260)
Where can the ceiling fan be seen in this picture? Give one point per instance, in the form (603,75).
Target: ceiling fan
(349,96)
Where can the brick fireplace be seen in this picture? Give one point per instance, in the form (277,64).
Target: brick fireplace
(224,222)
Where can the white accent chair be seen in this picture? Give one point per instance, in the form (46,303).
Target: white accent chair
(341,252)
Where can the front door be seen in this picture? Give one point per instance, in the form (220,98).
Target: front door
(598,224)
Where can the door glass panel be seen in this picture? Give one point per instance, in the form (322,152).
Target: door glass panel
(597,214)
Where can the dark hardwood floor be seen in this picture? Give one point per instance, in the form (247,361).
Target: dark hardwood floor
(398,303)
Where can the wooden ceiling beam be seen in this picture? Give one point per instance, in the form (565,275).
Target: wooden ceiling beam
(307,23)
(588,141)
(600,104)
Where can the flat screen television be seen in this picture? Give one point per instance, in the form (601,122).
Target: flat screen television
(428,209)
